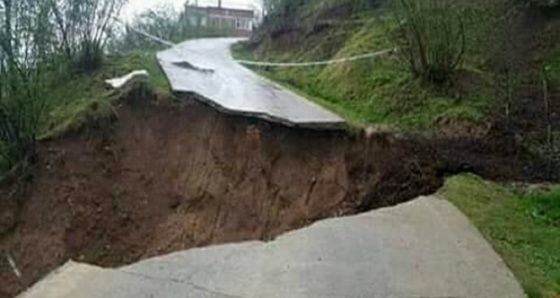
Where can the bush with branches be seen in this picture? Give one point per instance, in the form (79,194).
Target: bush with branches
(432,38)
(42,43)
(83,28)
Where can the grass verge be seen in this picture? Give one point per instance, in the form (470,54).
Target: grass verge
(86,97)
(523,226)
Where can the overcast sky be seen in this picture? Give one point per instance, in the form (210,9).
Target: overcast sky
(136,6)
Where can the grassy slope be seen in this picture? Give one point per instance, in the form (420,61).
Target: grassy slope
(522,226)
(372,91)
(86,98)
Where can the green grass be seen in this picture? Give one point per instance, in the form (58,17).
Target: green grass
(86,98)
(523,226)
(376,91)
(120,65)
(552,67)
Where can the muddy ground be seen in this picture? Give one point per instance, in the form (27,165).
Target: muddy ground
(165,177)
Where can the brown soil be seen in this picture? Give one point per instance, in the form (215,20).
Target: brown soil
(168,177)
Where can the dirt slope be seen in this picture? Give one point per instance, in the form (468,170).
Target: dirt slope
(169,178)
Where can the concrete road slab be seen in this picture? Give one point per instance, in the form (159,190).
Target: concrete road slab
(424,248)
(205,67)
(74,280)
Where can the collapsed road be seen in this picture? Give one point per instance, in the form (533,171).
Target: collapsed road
(425,248)
(169,179)
(205,67)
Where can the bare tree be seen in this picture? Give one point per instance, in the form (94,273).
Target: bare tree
(83,28)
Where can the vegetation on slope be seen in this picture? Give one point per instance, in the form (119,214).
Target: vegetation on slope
(389,90)
(86,98)
(54,58)
(371,91)
(496,80)
(388,96)
(523,226)
(43,44)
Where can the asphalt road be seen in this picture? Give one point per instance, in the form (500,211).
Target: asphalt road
(205,67)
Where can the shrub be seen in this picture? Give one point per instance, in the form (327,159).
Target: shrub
(84,27)
(24,46)
(36,37)
(90,56)
(432,38)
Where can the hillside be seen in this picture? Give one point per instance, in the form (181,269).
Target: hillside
(382,91)
(505,94)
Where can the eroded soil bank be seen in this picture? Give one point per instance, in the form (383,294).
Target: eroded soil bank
(167,177)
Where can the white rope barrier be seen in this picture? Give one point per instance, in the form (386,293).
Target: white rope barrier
(317,63)
(274,64)
(145,34)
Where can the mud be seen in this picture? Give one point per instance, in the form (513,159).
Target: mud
(166,177)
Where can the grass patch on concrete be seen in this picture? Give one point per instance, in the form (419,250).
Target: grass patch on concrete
(523,226)
(86,98)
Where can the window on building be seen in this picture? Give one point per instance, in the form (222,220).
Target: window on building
(192,20)
(243,24)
